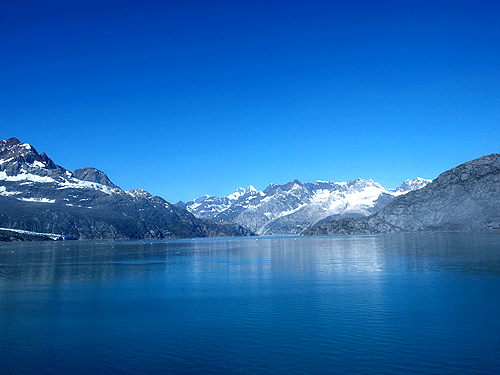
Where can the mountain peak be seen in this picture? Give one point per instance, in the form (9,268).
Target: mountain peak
(16,156)
(237,193)
(413,184)
(13,148)
(290,185)
(10,142)
(139,193)
(93,175)
(359,183)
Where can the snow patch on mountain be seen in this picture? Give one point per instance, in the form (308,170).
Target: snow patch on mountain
(74,183)
(38,200)
(4,192)
(64,181)
(25,176)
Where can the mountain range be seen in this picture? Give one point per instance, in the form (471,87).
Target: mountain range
(38,196)
(295,207)
(42,200)
(465,198)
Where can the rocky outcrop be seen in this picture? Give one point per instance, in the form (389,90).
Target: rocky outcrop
(93,175)
(465,198)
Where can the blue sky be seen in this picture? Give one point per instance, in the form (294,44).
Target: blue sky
(200,97)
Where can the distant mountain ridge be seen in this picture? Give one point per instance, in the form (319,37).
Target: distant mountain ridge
(37,195)
(295,207)
(465,198)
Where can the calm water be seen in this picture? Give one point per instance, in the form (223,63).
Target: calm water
(401,304)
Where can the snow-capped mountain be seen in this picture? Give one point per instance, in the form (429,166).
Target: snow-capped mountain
(29,176)
(39,196)
(208,207)
(409,185)
(294,207)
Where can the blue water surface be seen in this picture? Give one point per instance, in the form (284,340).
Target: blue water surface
(396,304)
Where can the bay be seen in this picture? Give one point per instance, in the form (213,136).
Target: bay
(395,304)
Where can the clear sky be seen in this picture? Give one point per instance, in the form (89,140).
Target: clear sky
(185,98)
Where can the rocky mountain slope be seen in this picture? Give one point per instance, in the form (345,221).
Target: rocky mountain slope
(39,196)
(295,207)
(465,198)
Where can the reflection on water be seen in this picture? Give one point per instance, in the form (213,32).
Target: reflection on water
(420,303)
(68,262)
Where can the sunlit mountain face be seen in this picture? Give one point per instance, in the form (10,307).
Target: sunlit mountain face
(294,207)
